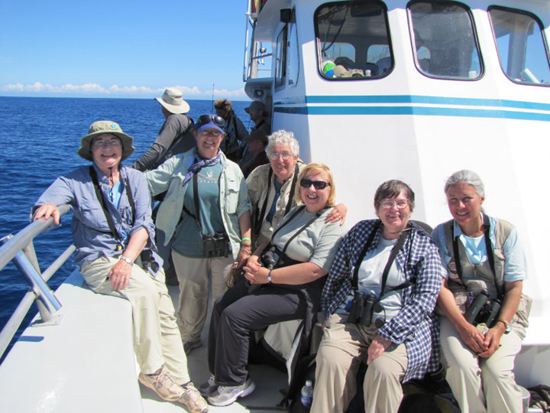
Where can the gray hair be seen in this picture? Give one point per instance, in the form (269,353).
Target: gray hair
(284,138)
(467,177)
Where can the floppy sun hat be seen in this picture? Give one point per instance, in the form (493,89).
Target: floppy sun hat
(172,100)
(99,128)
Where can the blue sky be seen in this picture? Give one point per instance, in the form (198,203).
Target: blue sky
(121,48)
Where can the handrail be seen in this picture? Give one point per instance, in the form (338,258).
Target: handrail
(20,248)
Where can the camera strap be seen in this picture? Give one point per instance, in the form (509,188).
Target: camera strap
(263,211)
(489,248)
(103,204)
(395,250)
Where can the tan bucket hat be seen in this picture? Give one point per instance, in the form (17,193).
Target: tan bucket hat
(172,100)
(99,128)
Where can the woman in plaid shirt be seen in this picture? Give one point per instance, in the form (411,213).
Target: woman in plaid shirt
(393,265)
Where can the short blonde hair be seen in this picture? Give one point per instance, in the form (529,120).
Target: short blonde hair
(315,169)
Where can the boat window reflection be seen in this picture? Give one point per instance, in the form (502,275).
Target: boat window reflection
(445,40)
(280,58)
(353,41)
(521,48)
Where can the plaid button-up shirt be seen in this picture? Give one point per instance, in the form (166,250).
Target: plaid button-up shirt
(415,324)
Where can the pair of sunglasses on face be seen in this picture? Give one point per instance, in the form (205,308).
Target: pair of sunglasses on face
(306,183)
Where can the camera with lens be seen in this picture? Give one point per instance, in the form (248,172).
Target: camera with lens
(216,245)
(148,261)
(270,258)
(483,310)
(362,308)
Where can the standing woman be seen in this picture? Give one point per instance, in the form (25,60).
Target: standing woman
(485,266)
(206,216)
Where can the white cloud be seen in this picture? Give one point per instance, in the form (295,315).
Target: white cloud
(94,89)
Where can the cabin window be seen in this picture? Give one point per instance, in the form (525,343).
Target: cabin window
(353,41)
(293,65)
(280,58)
(521,47)
(444,40)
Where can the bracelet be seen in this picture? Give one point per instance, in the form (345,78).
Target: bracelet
(127,260)
(246,239)
(269,278)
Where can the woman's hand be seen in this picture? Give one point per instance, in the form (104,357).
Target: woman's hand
(338,213)
(473,338)
(377,348)
(244,255)
(492,340)
(120,275)
(47,210)
(254,272)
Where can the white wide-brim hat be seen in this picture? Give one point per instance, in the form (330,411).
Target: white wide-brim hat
(172,101)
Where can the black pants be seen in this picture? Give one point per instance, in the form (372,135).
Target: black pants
(235,315)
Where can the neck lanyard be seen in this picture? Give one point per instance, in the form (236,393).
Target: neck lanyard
(395,250)
(488,246)
(103,204)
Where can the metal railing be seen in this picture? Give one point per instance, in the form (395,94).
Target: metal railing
(20,249)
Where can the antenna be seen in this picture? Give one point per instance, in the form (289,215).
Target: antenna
(213,84)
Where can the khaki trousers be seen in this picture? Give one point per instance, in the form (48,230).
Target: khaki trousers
(195,276)
(157,339)
(342,349)
(481,385)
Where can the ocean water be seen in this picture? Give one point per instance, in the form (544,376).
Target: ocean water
(38,142)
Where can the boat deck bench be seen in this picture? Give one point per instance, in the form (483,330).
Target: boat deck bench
(86,363)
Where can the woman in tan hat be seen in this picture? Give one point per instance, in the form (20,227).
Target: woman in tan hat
(175,135)
(113,233)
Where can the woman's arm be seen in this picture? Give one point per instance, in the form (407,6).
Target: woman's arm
(296,274)
(121,271)
(470,335)
(510,304)
(246,242)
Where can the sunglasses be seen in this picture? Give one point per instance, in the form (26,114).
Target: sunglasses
(306,183)
(206,119)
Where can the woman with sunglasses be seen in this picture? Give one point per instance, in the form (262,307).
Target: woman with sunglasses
(378,302)
(272,187)
(485,267)
(284,284)
(205,215)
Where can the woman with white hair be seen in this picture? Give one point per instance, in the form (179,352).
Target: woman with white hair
(484,312)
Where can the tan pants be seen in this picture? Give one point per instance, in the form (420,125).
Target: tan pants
(342,349)
(157,339)
(195,276)
(481,385)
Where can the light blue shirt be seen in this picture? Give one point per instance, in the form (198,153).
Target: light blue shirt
(515,264)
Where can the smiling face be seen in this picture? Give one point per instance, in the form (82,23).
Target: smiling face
(208,142)
(282,168)
(106,151)
(315,199)
(465,206)
(394,213)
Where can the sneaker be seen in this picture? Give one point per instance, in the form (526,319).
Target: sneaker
(209,387)
(192,400)
(226,395)
(162,384)
(190,346)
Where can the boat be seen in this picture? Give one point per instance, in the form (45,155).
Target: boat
(376,90)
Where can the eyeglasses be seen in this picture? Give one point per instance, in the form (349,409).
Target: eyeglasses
(106,144)
(275,156)
(206,119)
(306,183)
(387,204)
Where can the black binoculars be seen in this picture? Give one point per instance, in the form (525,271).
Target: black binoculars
(216,245)
(483,310)
(362,309)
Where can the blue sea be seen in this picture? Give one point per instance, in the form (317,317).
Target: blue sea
(38,142)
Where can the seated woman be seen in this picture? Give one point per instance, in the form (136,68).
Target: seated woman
(272,187)
(290,289)
(485,267)
(113,234)
(378,300)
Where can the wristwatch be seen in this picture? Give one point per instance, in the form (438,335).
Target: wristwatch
(507,328)
(126,259)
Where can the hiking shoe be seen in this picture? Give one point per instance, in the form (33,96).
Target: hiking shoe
(190,346)
(192,400)
(162,384)
(209,387)
(226,395)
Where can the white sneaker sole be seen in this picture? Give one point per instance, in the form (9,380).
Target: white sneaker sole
(245,392)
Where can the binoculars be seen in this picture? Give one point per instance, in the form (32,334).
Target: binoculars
(362,309)
(216,245)
(483,310)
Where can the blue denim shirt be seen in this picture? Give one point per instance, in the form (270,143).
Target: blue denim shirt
(91,234)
